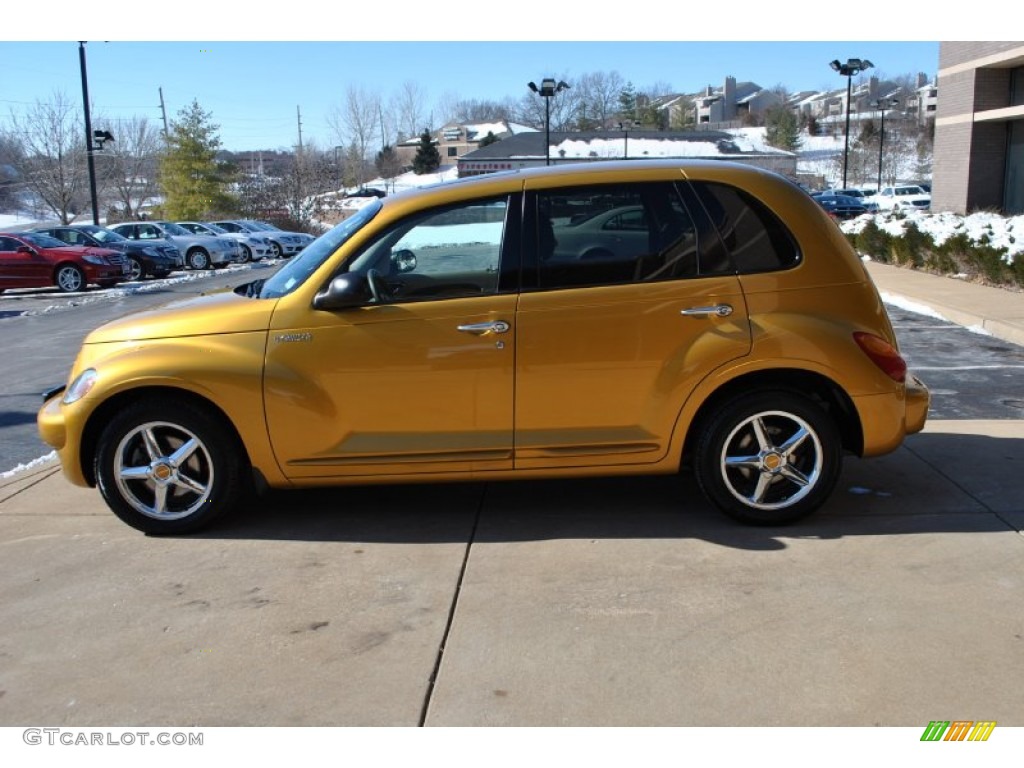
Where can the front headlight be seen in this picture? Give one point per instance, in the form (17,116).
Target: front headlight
(94,259)
(80,387)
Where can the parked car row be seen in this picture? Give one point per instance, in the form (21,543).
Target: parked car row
(849,203)
(73,256)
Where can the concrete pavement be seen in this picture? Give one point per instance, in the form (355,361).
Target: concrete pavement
(602,602)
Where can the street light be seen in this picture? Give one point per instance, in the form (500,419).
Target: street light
(881,104)
(848,70)
(90,136)
(548,88)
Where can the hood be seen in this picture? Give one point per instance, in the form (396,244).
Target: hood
(204,315)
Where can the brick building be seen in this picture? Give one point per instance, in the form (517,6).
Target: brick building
(979,128)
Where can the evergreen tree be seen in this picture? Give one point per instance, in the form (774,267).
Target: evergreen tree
(489,139)
(194,183)
(427,159)
(782,129)
(388,163)
(627,102)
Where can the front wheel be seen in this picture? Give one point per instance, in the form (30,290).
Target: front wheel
(138,271)
(70,279)
(275,250)
(168,467)
(769,458)
(198,259)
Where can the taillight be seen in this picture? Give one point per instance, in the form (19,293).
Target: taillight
(883,354)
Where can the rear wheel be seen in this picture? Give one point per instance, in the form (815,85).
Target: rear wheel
(246,253)
(70,278)
(768,458)
(167,467)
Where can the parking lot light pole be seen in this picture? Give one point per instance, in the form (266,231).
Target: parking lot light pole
(88,135)
(548,88)
(848,70)
(881,104)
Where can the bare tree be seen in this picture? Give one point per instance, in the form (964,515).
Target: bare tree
(357,121)
(131,164)
(599,91)
(408,106)
(54,155)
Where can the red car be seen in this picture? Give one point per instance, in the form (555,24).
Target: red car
(32,260)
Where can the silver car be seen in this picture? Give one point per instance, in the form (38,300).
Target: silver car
(281,243)
(199,251)
(253,247)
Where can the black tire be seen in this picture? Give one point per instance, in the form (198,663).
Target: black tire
(275,250)
(138,271)
(198,259)
(768,458)
(69,278)
(246,253)
(169,466)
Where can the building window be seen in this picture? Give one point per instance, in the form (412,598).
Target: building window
(453,151)
(1017,86)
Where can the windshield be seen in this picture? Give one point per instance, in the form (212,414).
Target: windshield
(297,271)
(107,235)
(174,229)
(43,241)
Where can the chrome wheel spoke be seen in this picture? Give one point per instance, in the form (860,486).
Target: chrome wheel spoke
(793,474)
(133,473)
(763,441)
(764,480)
(160,499)
(183,453)
(152,447)
(743,462)
(183,481)
(790,447)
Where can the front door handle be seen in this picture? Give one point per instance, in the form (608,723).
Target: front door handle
(718,310)
(482,329)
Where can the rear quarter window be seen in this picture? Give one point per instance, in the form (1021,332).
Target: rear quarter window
(757,240)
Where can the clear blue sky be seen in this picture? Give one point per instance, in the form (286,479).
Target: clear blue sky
(253,87)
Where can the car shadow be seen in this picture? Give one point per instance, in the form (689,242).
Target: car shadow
(907,492)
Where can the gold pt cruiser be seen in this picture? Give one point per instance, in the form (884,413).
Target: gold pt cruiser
(597,319)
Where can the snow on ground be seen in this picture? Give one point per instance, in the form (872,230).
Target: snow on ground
(999,231)
(30,465)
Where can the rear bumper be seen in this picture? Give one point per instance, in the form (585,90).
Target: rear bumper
(886,419)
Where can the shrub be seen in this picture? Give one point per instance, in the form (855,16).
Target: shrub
(874,242)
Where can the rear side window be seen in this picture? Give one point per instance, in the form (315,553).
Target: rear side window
(756,238)
(613,235)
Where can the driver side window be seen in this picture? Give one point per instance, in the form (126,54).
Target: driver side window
(448,252)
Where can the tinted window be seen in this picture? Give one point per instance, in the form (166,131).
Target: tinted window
(611,235)
(757,241)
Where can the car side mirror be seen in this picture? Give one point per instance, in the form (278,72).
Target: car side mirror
(26,249)
(348,290)
(403,260)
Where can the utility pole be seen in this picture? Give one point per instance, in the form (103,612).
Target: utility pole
(163,111)
(88,135)
(298,114)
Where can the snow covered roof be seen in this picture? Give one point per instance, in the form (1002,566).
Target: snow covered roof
(638,144)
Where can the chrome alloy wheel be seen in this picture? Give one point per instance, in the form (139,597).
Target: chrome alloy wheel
(163,470)
(771,460)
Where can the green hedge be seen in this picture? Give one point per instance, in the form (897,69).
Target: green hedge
(957,255)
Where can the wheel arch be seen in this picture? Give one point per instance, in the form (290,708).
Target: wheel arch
(823,390)
(101,416)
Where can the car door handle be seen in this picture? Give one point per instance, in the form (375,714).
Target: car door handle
(719,310)
(482,329)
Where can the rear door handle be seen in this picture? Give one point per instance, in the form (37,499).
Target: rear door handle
(718,310)
(482,329)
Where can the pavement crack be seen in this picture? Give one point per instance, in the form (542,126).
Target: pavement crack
(451,611)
